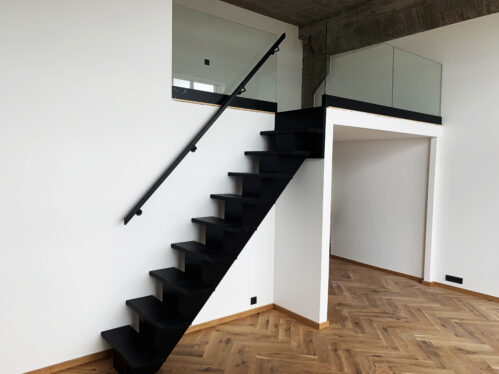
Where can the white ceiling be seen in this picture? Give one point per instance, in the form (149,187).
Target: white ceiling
(349,134)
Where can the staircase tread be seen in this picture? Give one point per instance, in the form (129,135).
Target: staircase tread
(261,175)
(227,226)
(160,322)
(278,153)
(240,198)
(179,280)
(157,313)
(202,251)
(284,132)
(126,341)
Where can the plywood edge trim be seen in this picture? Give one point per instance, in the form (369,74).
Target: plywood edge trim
(378,109)
(414,121)
(301,318)
(229,318)
(73,363)
(412,277)
(218,105)
(461,290)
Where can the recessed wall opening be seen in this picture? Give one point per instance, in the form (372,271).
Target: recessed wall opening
(379,198)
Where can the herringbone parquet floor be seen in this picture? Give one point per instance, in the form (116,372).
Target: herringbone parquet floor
(379,323)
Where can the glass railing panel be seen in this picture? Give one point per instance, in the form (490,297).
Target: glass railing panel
(416,83)
(214,54)
(364,75)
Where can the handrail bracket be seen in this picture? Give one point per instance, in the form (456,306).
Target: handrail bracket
(191,147)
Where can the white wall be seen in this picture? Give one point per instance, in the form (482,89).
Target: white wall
(303,217)
(467,202)
(302,238)
(379,202)
(87,124)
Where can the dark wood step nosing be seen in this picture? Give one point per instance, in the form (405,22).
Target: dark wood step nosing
(137,305)
(126,338)
(260,175)
(203,288)
(226,226)
(241,199)
(210,255)
(298,154)
(292,132)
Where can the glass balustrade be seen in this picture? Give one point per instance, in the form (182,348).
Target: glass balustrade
(385,75)
(417,83)
(213,54)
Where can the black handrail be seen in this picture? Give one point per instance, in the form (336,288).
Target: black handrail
(191,147)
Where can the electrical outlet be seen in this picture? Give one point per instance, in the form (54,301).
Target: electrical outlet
(451,278)
(206,61)
(253,300)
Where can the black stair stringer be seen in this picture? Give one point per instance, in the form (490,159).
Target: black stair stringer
(298,135)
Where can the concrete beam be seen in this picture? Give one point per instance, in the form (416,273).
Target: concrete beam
(315,64)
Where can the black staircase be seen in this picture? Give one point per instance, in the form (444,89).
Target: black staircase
(298,135)
(191,147)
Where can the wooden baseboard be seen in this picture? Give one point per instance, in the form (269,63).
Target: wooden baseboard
(422,281)
(73,363)
(412,277)
(105,354)
(461,290)
(300,318)
(250,312)
(226,319)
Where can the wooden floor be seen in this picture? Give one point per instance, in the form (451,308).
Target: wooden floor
(379,323)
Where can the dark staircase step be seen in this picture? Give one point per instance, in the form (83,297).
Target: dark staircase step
(157,313)
(202,252)
(222,224)
(278,153)
(179,280)
(241,199)
(138,357)
(287,132)
(298,135)
(261,175)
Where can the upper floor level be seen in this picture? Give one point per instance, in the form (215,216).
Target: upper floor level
(212,54)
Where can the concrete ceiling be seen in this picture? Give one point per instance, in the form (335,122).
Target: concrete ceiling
(328,27)
(304,12)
